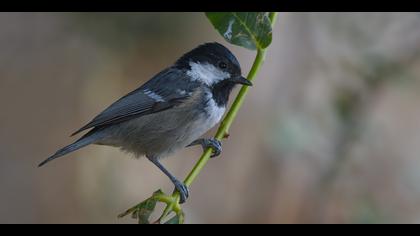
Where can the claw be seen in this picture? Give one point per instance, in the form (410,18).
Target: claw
(183,191)
(215,144)
(217,147)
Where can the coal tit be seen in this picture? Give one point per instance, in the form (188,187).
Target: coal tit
(170,111)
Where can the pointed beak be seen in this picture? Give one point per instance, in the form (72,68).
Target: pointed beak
(242,80)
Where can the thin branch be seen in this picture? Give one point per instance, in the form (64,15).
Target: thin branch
(224,127)
(172,201)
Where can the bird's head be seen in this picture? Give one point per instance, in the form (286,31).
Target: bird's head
(213,65)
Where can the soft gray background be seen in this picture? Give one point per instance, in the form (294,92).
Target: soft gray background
(329,133)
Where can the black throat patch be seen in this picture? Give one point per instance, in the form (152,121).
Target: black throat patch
(221,92)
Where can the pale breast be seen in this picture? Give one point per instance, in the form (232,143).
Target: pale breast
(210,114)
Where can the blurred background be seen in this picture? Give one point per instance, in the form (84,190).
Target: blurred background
(330,132)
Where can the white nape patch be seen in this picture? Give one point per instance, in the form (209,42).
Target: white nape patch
(228,33)
(153,95)
(213,111)
(206,73)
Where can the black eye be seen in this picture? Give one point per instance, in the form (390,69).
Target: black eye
(222,65)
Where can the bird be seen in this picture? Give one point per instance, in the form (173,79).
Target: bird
(169,112)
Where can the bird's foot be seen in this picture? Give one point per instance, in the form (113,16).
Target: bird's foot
(182,189)
(213,143)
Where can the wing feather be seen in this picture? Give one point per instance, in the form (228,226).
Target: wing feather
(140,102)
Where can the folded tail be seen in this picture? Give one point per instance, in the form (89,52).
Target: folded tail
(87,139)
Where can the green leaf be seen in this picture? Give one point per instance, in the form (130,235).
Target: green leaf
(251,30)
(143,210)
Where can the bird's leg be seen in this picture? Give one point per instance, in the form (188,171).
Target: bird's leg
(205,143)
(180,186)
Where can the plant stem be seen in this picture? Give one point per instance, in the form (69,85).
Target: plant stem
(226,123)
(231,115)
(228,120)
(273,18)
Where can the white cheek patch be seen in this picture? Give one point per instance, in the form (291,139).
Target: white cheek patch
(153,95)
(206,73)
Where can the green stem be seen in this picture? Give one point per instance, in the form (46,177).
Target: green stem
(228,120)
(224,127)
(231,115)
(273,18)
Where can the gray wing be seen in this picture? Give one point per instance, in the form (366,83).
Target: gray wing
(162,92)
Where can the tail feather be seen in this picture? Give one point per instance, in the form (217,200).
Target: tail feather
(82,142)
